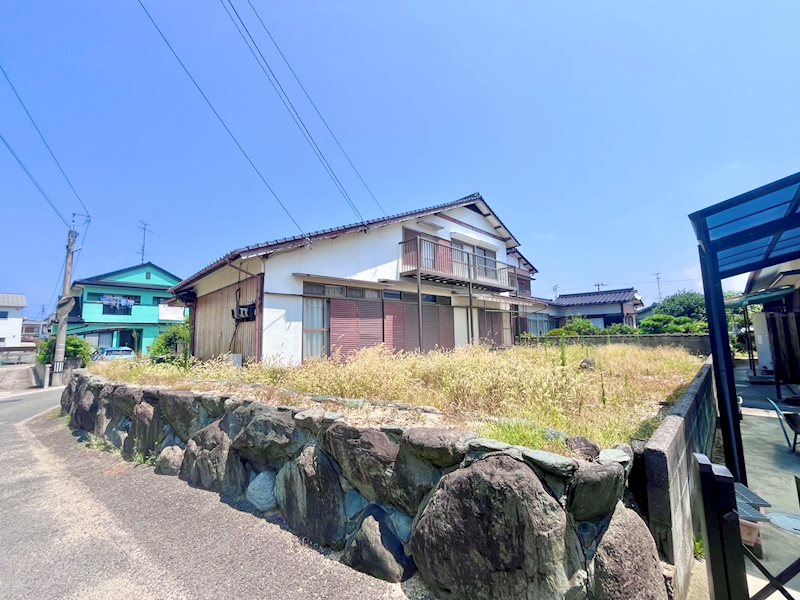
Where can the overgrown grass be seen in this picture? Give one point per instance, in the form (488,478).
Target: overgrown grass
(94,442)
(617,400)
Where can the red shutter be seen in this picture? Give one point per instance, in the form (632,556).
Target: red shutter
(370,324)
(410,327)
(393,326)
(344,326)
(430,327)
(447,336)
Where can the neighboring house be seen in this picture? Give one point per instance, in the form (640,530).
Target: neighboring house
(11,308)
(603,308)
(34,330)
(646,312)
(128,307)
(453,271)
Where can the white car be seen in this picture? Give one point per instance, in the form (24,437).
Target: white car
(119,353)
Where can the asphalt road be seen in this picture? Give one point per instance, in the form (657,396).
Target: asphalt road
(80,523)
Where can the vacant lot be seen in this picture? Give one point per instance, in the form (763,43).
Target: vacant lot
(537,388)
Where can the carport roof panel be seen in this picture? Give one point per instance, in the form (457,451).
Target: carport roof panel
(756,229)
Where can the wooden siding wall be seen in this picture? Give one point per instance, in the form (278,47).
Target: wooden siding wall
(215,331)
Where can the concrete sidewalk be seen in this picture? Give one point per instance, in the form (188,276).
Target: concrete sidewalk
(80,523)
(15,379)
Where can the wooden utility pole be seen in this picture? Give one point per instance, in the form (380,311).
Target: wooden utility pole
(63,309)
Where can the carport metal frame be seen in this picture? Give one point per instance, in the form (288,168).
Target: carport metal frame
(756,206)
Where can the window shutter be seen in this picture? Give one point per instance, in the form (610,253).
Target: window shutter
(447,336)
(393,326)
(430,327)
(411,327)
(344,326)
(370,324)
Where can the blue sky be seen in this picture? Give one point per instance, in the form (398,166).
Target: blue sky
(593,129)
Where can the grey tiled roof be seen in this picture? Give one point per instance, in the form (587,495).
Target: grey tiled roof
(13,300)
(601,297)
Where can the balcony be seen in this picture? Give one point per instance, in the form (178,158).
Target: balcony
(444,264)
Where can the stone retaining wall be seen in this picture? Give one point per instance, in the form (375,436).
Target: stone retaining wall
(476,518)
(695,343)
(673,519)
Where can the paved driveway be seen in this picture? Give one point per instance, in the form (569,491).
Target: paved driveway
(79,523)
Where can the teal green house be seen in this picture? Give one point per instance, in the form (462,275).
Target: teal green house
(127,307)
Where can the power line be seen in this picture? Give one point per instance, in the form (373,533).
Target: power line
(287,102)
(319,114)
(221,120)
(79,251)
(33,180)
(44,141)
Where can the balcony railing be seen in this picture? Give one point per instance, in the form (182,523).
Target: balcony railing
(442,262)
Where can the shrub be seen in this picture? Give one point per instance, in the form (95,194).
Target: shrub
(75,348)
(576,326)
(619,329)
(668,324)
(166,344)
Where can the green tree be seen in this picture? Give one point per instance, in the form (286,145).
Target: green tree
(619,329)
(684,303)
(75,348)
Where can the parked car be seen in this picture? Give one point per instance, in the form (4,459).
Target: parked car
(120,353)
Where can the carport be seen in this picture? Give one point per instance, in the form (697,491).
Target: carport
(755,230)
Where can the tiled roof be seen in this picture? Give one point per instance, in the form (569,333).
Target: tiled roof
(601,297)
(13,300)
(300,240)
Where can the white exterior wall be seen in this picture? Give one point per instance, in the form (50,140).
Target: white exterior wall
(11,328)
(763,344)
(370,256)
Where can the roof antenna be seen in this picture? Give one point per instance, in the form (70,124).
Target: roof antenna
(144,227)
(599,285)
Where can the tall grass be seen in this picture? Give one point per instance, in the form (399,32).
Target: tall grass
(619,399)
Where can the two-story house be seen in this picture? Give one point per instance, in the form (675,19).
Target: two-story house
(11,308)
(127,307)
(438,277)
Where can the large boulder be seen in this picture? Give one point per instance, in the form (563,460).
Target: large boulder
(261,491)
(440,447)
(583,447)
(490,530)
(595,489)
(366,457)
(206,457)
(169,461)
(125,398)
(84,409)
(183,411)
(413,479)
(265,436)
(626,562)
(374,549)
(69,392)
(311,499)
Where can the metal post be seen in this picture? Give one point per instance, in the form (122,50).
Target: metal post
(722,364)
(419,289)
(63,313)
(750,357)
(470,267)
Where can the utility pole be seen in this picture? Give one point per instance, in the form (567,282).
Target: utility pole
(143,226)
(555,292)
(658,282)
(63,309)
(599,285)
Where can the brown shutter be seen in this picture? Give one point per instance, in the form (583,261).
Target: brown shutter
(447,336)
(393,326)
(482,329)
(370,323)
(344,326)
(497,328)
(410,327)
(430,327)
